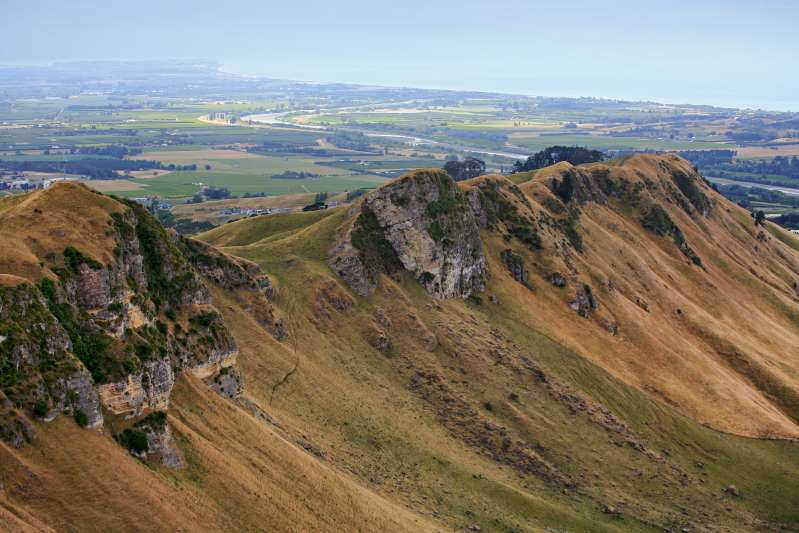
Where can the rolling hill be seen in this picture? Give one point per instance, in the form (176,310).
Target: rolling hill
(607,347)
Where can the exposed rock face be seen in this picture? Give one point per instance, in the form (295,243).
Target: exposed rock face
(150,438)
(114,334)
(91,288)
(15,428)
(515,265)
(346,261)
(146,389)
(245,278)
(159,443)
(584,301)
(228,382)
(39,371)
(80,395)
(426,223)
(222,269)
(581,186)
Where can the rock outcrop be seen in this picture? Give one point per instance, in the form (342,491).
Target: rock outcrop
(422,223)
(95,332)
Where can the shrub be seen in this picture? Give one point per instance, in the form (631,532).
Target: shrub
(204,319)
(376,253)
(435,231)
(569,228)
(40,408)
(657,220)
(475,299)
(155,420)
(133,439)
(81,419)
(73,259)
(688,187)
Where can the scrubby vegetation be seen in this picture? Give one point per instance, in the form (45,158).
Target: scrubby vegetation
(133,439)
(568,226)
(658,221)
(499,208)
(376,253)
(690,189)
(555,154)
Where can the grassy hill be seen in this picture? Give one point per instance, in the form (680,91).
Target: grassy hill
(661,397)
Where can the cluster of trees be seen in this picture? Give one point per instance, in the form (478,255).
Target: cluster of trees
(287,147)
(465,170)
(292,175)
(780,166)
(210,193)
(745,196)
(708,157)
(788,220)
(350,141)
(118,151)
(352,195)
(318,202)
(576,155)
(106,168)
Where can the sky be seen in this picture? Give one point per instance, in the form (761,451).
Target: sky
(738,53)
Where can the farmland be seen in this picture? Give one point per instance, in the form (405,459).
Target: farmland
(263,138)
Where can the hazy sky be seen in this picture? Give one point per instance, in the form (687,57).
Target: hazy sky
(732,52)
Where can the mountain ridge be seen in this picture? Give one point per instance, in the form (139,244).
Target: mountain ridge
(488,354)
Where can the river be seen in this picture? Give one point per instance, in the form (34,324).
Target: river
(275,118)
(780,188)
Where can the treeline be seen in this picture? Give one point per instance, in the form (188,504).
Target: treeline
(116,151)
(287,147)
(93,168)
(744,196)
(210,193)
(350,141)
(788,220)
(780,166)
(96,169)
(575,155)
(708,157)
(292,175)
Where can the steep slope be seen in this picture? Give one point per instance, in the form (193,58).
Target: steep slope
(103,315)
(701,302)
(554,355)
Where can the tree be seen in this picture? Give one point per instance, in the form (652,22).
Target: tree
(760,217)
(575,155)
(464,170)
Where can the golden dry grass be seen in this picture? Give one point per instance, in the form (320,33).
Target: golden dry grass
(44,222)
(113,185)
(368,441)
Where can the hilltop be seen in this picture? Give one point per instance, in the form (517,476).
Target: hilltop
(603,347)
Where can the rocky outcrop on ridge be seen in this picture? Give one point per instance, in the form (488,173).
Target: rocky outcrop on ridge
(92,336)
(421,223)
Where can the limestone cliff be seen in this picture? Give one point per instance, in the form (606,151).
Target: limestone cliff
(421,223)
(110,326)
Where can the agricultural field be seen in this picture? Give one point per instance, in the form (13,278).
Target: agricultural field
(607,142)
(168,139)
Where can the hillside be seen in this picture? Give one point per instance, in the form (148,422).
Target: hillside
(609,347)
